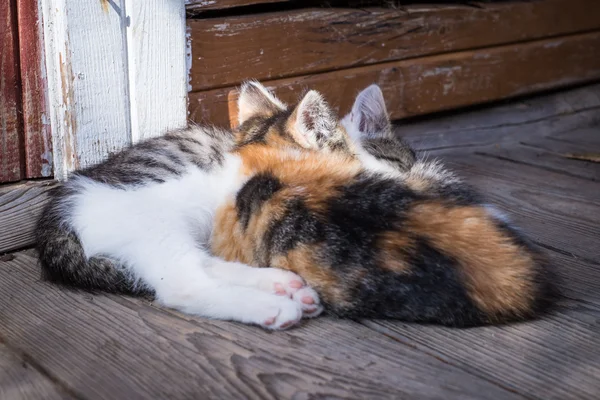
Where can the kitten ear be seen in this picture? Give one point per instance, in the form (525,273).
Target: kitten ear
(313,122)
(255,100)
(369,115)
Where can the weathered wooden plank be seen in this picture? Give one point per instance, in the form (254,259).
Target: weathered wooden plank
(156,56)
(227,50)
(578,278)
(11,166)
(196,6)
(19,380)
(553,358)
(560,116)
(425,85)
(85,47)
(36,124)
(538,154)
(588,137)
(20,207)
(108,347)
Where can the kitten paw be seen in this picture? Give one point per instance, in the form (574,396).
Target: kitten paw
(309,301)
(281,314)
(280,282)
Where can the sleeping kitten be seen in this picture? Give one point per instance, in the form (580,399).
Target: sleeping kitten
(381,234)
(140,222)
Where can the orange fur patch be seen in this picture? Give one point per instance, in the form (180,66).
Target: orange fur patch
(228,241)
(498,272)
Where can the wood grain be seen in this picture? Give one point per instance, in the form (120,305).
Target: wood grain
(11,149)
(227,50)
(108,346)
(569,116)
(20,207)
(19,380)
(556,357)
(36,120)
(425,85)
(156,57)
(87,81)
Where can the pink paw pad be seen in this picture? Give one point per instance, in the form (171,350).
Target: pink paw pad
(279,289)
(296,284)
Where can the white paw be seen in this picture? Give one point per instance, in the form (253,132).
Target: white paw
(279,281)
(309,301)
(274,312)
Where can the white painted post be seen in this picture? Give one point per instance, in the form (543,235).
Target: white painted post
(156,45)
(116,74)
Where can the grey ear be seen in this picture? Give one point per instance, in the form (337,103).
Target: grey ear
(369,114)
(255,100)
(313,122)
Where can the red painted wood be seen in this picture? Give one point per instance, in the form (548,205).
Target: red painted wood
(11,166)
(36,124)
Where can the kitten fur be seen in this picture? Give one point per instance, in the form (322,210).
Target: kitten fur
(140,222)
(375,231)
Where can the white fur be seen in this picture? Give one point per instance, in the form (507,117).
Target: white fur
(313,109)
(160,232)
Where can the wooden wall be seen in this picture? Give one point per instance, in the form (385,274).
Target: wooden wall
(25,141)
(11,160)
(426,58)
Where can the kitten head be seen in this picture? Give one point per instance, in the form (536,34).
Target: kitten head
(368,124)
(310,125)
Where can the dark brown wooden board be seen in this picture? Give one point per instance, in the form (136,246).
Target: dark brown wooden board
(36,121)
(19,380)
(20,207)
(11,150)
(104,347)
(198,6)
(228,50)
(430,84)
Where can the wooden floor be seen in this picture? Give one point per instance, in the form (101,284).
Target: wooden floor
(57,343)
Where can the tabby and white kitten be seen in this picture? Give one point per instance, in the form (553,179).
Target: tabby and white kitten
(140,222)
(381,235)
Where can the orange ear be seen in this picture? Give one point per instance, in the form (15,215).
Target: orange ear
(255,100)
(312,122)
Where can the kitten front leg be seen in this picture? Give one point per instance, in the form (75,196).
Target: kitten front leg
(270,280)
(176,269)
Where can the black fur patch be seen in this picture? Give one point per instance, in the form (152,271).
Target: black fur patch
(298,225)
(255,129)
(430,292)
(254,194)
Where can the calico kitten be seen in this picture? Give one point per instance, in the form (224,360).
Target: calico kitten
(141,220)
(376,231)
